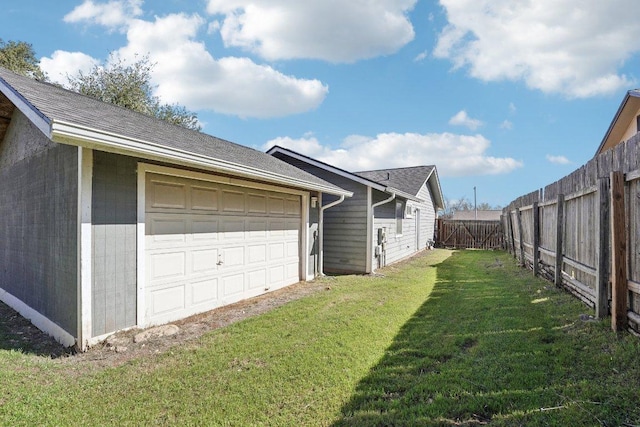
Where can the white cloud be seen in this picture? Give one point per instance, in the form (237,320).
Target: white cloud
(64,63)
(331,30)
(113,14)
(421,56)
(187,74)
(462,119)
(558,160)
(307,145)
(506,125)
(454,155)
(573,47)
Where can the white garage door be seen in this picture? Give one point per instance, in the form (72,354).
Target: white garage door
(210,244)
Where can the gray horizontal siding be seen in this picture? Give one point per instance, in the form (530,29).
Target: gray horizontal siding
(345,229)
(427,217)
(38,222)
(397,247)
(345,225)
(401,246)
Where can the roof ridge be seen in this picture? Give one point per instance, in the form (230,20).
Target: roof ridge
(392,169)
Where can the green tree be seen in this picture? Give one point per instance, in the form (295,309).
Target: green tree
(129,86)
(20,58)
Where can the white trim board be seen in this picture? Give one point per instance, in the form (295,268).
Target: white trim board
(73,134)
(39,321)
(182,173)
(85,246)
(141,245)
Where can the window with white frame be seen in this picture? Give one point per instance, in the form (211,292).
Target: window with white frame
(408,211)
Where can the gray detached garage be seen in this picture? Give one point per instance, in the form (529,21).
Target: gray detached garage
(111,220)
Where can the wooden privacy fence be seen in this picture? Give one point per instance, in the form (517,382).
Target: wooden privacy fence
(583,233)
(470,234)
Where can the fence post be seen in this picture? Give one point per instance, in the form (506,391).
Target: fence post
(602,248)
(503,224)
(559,238)
(513,237)
(536,239)
(522,260)
(619,285)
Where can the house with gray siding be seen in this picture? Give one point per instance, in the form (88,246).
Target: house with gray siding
(110,219)
(390,216)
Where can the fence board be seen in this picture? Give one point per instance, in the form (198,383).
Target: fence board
(619,254)
(573,235)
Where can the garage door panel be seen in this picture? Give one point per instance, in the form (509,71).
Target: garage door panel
(163,229)
(167,300)
(233,229)
(292,271)
(204,199)
(292,207)
(167,265)
(204,261)
(276,251)
(276,205)
(204,291)
(292,249)
(215,244)
(292,228)
(257,279)
(257,229)
(257,203)
(257,254)
(233,284)
(162,194)
(277,274)
(204,229)
(233,257)
(233,201)
(277,228)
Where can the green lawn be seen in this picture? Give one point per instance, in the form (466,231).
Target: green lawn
(462,339)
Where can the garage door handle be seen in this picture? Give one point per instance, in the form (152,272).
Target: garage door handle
(220,262)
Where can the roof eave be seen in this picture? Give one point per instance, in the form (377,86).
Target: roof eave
(42,122)
(329,168)
(631,93)
(73,134)
(404,195)
(438,198)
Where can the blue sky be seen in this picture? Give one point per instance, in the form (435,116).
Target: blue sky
(500,95)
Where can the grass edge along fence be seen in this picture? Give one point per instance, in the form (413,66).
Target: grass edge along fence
(583,233)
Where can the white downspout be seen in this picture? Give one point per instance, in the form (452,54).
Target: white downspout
(373,223)
(321,232)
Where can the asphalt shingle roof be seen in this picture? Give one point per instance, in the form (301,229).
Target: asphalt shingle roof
(55,104)
(409,180)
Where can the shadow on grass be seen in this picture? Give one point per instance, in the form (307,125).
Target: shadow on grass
(476,349)
(18,334)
